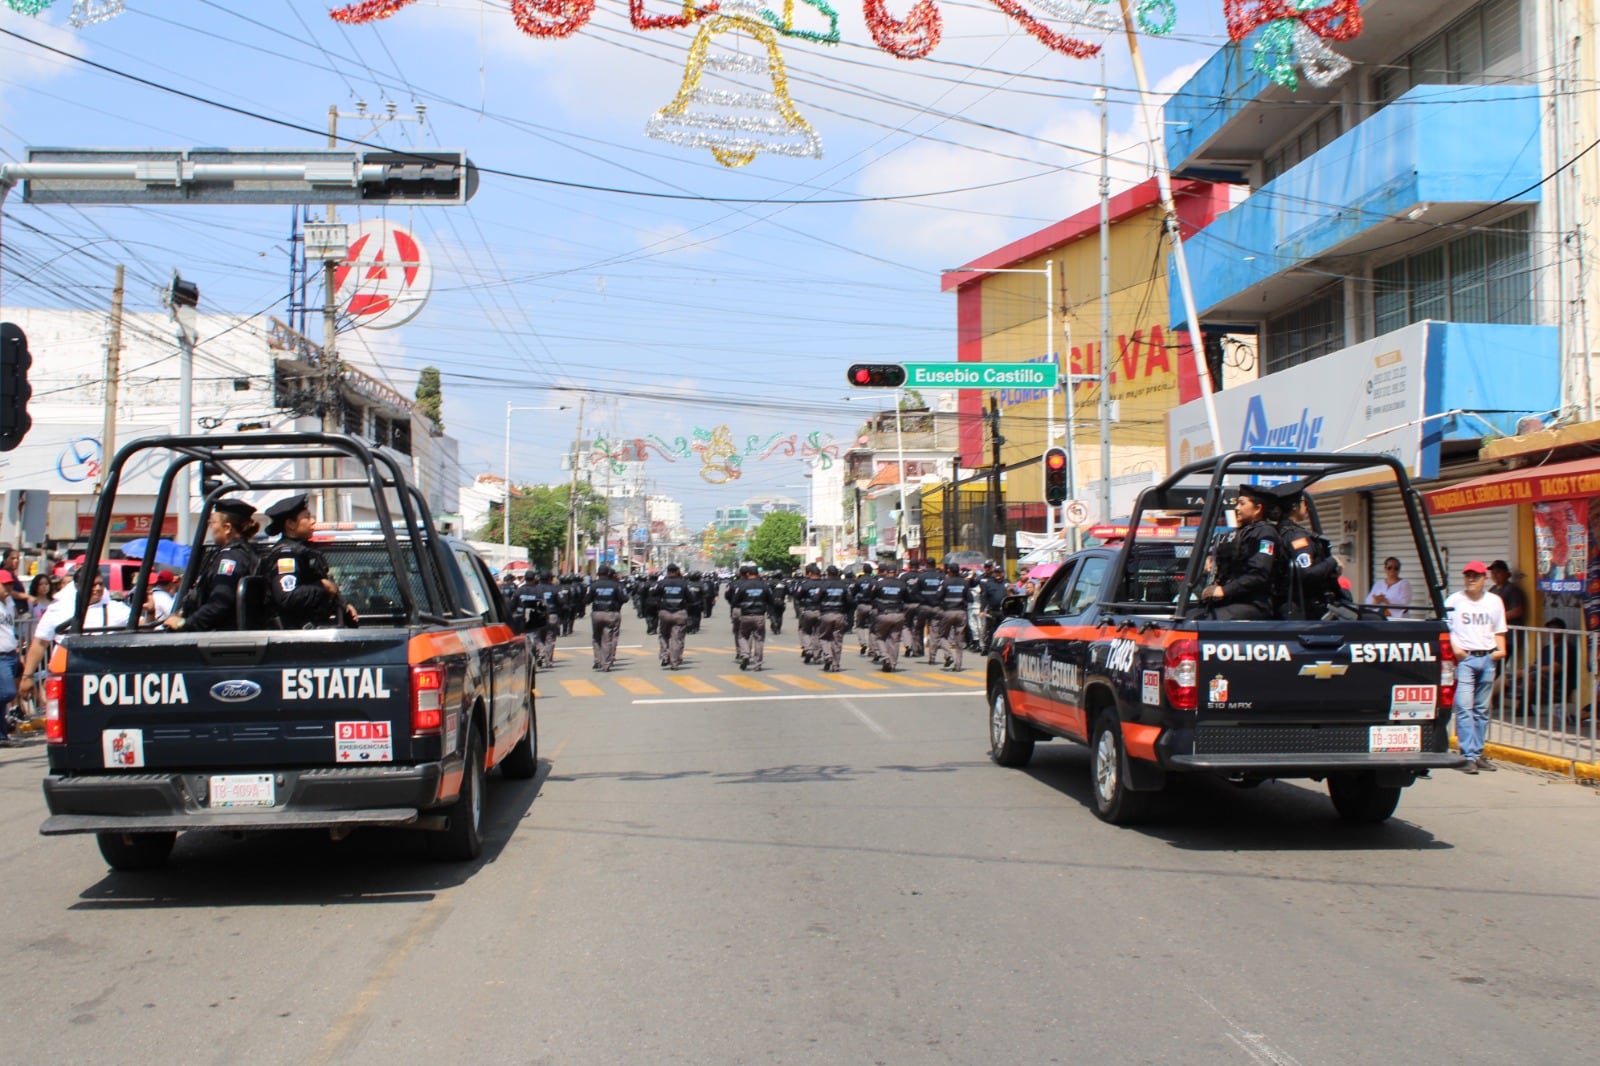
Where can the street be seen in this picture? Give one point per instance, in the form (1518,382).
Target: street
(721,867)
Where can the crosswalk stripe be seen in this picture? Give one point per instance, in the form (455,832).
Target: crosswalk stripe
(741,681)
(909,680)
(966,679)
(638,686)
(581,688)
(801,682)
(692,684)
(852,682)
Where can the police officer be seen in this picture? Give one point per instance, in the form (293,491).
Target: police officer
(697,601)
(923,618)
(212,604)
(861,592)
(749,600)
(950,628)
(889,598)
(780,590)
(670,597)
(299,586)
(1313,571)
(1251,574)
(835,602)
(808,612)
(992,591)
(605,597)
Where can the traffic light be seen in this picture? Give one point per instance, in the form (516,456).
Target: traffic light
(1055,476)
(15,392)
(876,375)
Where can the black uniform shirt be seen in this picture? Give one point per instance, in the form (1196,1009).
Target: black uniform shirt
(606,594)
(953,592)
(750,596)
(834,596)
(671,594)
(211,604)
(1251,567)
(294,572)
(891,594)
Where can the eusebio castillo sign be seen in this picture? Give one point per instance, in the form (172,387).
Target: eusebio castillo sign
(1367,398)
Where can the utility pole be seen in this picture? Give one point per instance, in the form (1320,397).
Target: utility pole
(330,346)
(997,499)
(572,496)
(1105,294)
(108,435)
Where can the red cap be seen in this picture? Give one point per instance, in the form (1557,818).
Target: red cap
(164,576)
(7,578)
(1474,566)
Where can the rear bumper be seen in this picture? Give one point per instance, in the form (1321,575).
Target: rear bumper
(306,799)
(1313,765)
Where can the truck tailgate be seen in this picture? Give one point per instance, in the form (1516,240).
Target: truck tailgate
(301,698)
(1319,687)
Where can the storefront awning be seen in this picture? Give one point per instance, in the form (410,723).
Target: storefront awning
(1537,484)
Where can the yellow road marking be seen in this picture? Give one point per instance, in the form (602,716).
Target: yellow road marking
(909,680)
(852,682)
(638,686)
(750,683)
(966,678)
(582,688)
(693,684)
(801,682)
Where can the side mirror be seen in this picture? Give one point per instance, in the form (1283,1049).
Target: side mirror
(1014,606)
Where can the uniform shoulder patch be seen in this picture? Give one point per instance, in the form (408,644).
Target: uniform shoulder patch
(1265,548)
(285,564)
(1299,542)
(226,567)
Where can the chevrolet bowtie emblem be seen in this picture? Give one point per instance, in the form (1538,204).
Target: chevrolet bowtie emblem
(1322,670)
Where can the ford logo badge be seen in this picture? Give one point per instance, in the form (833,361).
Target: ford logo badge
(235,691)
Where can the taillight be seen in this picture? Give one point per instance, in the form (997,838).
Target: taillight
(1447,674)
(55,726)
(1182,674)
(427,699)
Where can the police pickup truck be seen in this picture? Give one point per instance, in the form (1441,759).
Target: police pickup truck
(394,721)
(1113,653)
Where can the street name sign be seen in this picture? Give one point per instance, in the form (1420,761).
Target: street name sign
(982,375)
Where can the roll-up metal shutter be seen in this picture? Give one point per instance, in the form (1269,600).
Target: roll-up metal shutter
(1488,534)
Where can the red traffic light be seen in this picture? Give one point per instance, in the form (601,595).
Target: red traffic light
(1055,459)
(876,375)
(1055,476)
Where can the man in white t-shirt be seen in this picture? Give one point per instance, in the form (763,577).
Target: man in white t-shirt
(1477,623)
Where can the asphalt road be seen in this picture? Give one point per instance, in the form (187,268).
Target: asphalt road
(828,869)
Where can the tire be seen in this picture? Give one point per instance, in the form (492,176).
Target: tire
(522,762)
(1005,746)
(1359,798)
(1113,802)
(462,840)
(136,851)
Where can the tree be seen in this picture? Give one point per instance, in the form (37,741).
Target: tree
(911,400)
(770,543)
(724,547)
(430,395)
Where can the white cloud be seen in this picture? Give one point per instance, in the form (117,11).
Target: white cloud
(27,66)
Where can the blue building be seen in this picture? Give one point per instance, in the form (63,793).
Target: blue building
(1390,263)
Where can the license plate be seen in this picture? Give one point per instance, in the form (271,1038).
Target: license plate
(1395,738)
(243,790)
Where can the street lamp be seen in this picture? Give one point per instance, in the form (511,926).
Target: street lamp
(505,507)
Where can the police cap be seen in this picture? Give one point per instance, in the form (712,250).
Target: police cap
(235,508)
(1289,494)
(1260,494)
(284,510)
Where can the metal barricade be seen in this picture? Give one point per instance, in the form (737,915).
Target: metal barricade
(1545,696)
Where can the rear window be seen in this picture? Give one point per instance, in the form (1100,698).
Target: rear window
(1154,573)
(366,577)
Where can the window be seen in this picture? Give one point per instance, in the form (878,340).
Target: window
(1086,586)
(1478,277)
(1314,329)
(478,596)
(1307,143)
(1484,43)
(1054,602)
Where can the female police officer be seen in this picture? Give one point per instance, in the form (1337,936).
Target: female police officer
(211,604)
(298,582)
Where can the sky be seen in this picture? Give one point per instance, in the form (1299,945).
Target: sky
(673,294)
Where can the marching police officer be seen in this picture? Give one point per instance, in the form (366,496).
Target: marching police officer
(808,612)
(749,600)
(780,589)
(1313,571)
(212,604)
(923,615)
(835,602)
(992,591)
(1251,574)
(670,596)
(889,598)
(605,597)
(299,585)
(950,628)
(861,592)
(697,601)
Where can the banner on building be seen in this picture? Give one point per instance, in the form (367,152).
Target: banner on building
(1561,544)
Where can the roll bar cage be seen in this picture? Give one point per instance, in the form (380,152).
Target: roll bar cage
(382,474)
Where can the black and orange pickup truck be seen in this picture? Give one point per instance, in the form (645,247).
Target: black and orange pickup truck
(1109,655)
(393,721)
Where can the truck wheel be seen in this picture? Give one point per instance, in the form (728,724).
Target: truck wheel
(1113,802)
(1359,798)
(522,762)
(462,840)
(135,851)
(1005,747)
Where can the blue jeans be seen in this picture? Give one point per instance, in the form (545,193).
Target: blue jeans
(8,689)
(1474,686)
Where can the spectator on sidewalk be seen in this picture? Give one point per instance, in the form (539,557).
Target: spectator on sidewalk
(1477,624)
(10,666)
(1391,590)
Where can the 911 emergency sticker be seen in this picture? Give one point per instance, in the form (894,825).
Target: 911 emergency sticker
(1411,703)
(1151,686)
(362,742)
(122,748)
